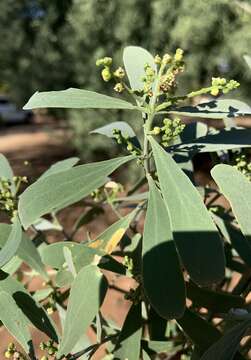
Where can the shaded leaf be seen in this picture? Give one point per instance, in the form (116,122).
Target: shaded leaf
(135,58)
(194,232)
(227,346)
(128,345)
(160,260)
(14,320)
(212,300)
(247,58)
(200,332)
(59,190)
(86,296)
(76,99)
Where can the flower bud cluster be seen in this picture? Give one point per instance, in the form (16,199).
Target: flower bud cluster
(12,353)
(242,164)
(169,131)
(125,141)
(221,84)
(49,347)
(148,79)
(8,201)
(107,73)
(176,66)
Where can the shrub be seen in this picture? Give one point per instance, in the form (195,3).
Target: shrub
(178,264)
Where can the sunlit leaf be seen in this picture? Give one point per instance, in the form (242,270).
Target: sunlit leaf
(86,297)
(237,189)
(12,243)
(135,58)
(59,190)
(76,99)
(60,166)
(195,234)
(160,260)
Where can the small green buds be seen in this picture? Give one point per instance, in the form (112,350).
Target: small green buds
(106,61)
(119,87)
(119,73)
(221,84)
(242,164)
(169,131)
(178,57)
(125,142)
(106,74)
(166,59)
(157,59)
(148,79)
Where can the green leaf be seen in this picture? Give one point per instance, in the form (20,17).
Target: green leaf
(64,278)
(237,189)
(227,346)
(128,345)
(194,232)
(160,260)
(12,266)
(135,58)
(216,109)
(247,58)
(14,320)
(12,243)
(200,332)
(6,171)
(213,300)
(222,140)
(86,297)
(76,99)
(26,251)
(42,294)
(60,166)
(59,190)
(33,311)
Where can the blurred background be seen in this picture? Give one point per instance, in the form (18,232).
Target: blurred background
(52,45)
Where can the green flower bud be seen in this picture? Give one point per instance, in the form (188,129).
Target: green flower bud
(214,91)
(157,59)
(119,87)
(99,62)
(156,130)
(129,146)
(166,59)
(11,346)
(8,354)
(119,73)
(106,74)
(178,57)
(107,61)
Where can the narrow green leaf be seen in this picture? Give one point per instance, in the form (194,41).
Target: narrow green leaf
(14,320)
(12,243)
(42,294)
(33,311)
(59,190)
(160,260)
(64,278)
(216,109)
(128,345)
(6,171)
(60,166)
(76,99)
(135,58)
(194,232)
(86,297)
(213,300)
(12,266)
(227,346)
(237,189)
(26,251)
